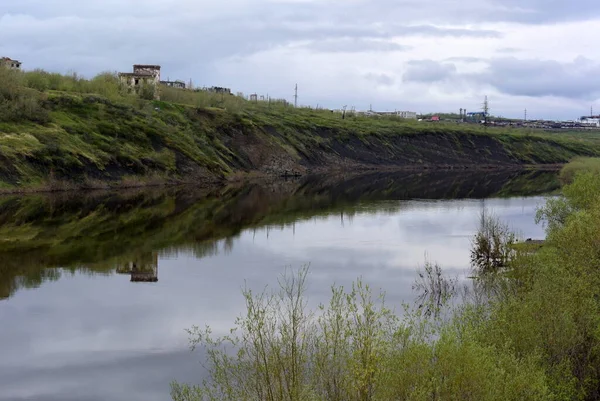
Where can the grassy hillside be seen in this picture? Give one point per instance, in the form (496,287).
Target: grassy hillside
(58,132)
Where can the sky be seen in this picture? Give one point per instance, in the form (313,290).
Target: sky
(416,55)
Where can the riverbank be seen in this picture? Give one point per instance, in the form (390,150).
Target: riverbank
(71,140)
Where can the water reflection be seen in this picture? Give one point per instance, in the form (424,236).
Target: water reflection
(144,269)
(88,333)
(103,233)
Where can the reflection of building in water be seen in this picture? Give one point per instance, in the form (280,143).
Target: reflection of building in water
(143,269)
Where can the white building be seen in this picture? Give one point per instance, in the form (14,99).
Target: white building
(591,121)
(408,114)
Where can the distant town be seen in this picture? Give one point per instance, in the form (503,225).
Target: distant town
(144,74)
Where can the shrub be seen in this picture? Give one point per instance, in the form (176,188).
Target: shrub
(491,250)
(577,165)
(18,103)
(353,349)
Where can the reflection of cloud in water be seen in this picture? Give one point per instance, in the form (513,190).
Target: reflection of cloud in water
(79,336)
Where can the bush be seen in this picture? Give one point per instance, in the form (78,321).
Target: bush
(491,250)
(353,349)
(18,103)
(578,165)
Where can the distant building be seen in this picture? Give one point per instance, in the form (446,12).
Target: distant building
(407,114)
(593,121)
(10,63)
(218,89)
(435,118)
(174,84)
(142,75)
(402,114)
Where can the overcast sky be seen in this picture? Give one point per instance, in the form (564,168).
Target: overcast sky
(418,55)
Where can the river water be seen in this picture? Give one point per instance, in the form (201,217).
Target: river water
(76,325)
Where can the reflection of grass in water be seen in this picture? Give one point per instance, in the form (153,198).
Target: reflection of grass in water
(98,234)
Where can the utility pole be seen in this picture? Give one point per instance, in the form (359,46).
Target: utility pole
(525,114)
(486,110)
(296,96)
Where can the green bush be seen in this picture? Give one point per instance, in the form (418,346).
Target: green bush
(354,348)
(577,165)
(18,103)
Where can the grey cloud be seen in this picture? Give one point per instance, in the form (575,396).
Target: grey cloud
(508,50)
(544,11)
(381,79)
(355,45)
(431,30)
(465,59)
(518,77)
(427,71)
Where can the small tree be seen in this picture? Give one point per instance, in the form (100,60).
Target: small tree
(492,246)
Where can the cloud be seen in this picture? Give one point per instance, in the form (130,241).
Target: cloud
(450,53)
(380,79)
(465,59)
(544,11)
(428,71)
(354,45)
(433,31)
(508,50)
(534,78)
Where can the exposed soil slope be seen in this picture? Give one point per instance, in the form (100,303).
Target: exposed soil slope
(90,141)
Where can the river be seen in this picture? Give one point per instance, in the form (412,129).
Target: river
(76,325)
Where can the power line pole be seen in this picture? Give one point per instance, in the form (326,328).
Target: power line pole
(486,110)
(525,114)
(296,96)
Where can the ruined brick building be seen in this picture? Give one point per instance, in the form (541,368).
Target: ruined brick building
(174,84)
(10,63)
(142,75)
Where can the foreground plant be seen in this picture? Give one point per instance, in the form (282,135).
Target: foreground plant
(353,348)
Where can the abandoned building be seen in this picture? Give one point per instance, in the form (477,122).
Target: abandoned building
(218,89)
(10,63)
(174,84)
(142,75)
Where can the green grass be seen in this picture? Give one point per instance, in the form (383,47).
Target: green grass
(57,128)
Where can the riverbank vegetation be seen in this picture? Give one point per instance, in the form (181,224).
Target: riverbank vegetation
(577,165)
(66,132)
(528,329)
